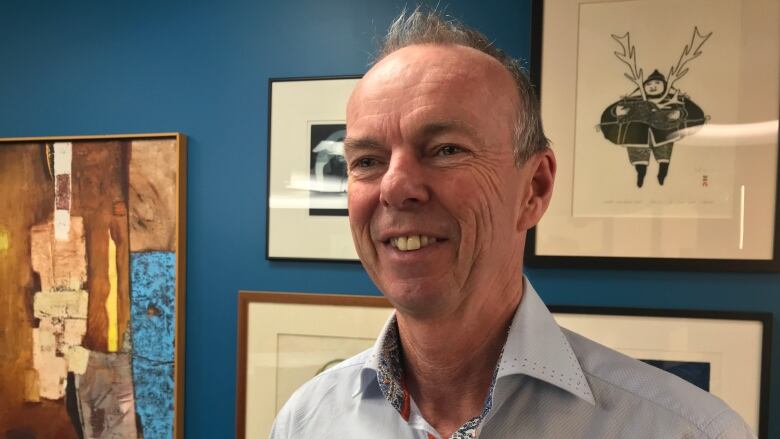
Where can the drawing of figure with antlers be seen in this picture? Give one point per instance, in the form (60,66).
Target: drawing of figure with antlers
(655,114)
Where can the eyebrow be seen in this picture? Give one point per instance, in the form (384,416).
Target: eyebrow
(426,132)
(353,144)
(432,129)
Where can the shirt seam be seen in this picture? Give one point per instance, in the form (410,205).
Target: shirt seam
(715,418)
(700,427)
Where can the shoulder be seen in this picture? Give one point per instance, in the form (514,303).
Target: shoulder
(326,395)
(617,379)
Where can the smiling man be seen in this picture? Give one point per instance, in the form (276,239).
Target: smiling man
(448,169)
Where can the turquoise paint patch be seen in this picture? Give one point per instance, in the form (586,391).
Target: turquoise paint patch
(152,324)
(154,397)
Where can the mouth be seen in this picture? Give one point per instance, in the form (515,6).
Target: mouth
(412,242)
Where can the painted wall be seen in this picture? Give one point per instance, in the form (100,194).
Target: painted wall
(201,68)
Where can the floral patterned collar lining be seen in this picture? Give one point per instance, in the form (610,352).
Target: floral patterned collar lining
(390,376)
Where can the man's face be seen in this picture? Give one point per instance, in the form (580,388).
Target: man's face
(654,87)
(429,151)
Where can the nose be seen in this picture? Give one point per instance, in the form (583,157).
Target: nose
(404,184)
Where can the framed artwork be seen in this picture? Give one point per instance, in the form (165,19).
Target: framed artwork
(667,156)
(307,173)
(284,339)
(92,237)
(725,353)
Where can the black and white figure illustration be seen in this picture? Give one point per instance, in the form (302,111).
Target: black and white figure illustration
(328,176)
(651,118)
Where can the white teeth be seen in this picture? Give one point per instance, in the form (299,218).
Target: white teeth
(411,242)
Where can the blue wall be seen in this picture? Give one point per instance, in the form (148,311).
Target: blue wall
(201,68)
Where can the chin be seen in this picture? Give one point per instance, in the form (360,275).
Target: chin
(417,298)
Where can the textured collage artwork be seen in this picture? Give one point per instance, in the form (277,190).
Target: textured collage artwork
(88,249)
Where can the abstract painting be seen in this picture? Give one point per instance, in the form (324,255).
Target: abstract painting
(91,286)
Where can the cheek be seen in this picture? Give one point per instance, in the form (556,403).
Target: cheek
(361,202)
(491,201)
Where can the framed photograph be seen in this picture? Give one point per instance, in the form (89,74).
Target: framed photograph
(667,156)
(92,238)
(307,173)
(284,339)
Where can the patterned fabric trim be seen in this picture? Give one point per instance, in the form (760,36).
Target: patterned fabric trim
(391,383)
(389,373)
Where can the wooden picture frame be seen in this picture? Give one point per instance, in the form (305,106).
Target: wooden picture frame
(690,184)
(92,232)
(287,330)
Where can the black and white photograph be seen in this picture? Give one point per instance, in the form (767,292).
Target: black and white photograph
(328,177)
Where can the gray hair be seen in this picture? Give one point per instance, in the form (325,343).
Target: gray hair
(430,27)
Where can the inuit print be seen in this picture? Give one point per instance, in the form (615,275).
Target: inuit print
(655,114)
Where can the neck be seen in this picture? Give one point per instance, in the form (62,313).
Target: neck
(463,349)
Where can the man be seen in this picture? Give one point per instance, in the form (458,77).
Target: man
(448,169)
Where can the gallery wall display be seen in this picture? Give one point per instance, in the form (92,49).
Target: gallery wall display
(307,173)
(92,237)
(667,155)
(284,339)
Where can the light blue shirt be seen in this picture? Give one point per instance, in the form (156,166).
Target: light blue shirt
(550,383)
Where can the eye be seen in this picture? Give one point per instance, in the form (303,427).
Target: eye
(364,162)
(448,150)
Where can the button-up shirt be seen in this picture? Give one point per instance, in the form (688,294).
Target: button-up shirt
(548,383)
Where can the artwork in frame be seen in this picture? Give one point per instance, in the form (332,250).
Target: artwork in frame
(92,286)
(284,339)
(667,156)
(307,173)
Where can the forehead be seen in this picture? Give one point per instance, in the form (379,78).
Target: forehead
(431,78)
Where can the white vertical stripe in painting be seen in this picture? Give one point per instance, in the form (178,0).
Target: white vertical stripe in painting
(742,217)
(63,157)
(61,225)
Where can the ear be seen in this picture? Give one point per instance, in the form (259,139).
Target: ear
(540,170)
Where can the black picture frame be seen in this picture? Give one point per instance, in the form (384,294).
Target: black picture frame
(302,227)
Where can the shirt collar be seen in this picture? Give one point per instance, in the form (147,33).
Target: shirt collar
(535,346)
(368,374)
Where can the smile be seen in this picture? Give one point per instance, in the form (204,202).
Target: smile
(412,242)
